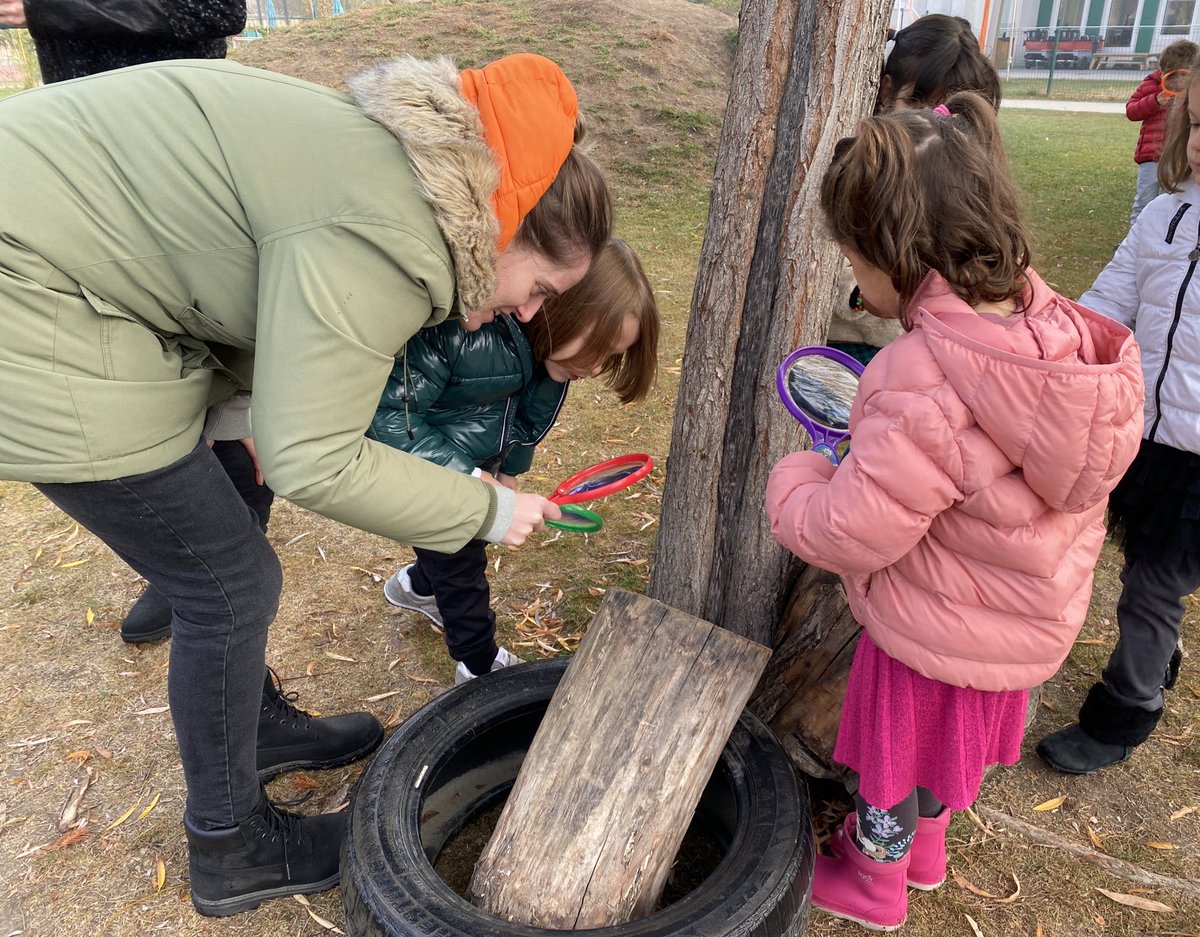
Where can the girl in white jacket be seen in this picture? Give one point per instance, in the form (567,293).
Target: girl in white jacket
(1152,285)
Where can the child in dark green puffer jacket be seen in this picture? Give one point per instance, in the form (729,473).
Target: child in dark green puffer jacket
(481,401)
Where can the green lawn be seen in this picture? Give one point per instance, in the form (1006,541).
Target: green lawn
(1077,173)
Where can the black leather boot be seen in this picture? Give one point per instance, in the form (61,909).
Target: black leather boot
(1106,734)
(290,739)
(269,854)
(149,619)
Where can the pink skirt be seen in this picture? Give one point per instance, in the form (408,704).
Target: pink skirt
(901,730)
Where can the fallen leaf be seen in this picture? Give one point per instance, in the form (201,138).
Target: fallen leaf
(90,616)
(70,808)
(80,756)
(375,577)
(974,927)
(304,782)
(1159,845)
(1096,843)
(160,874)
(378,696)
(961,882)
(153,711)
(67,839)
(1039,932)
(349,660)
(150,806)
(123,817)
(1136,901)
(1182,812)
(328,925)
(1052,804)
(75,563)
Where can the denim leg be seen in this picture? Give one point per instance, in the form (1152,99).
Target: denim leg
(459,583)
(240,468)
(1147,189)
(1149,618)
(188,532)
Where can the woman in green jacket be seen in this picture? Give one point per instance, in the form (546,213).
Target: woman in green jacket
(174,234)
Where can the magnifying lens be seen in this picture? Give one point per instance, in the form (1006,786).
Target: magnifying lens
(817,384)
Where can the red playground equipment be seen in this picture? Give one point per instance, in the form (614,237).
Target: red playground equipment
(1075,49)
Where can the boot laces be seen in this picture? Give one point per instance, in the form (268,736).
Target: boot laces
(279,705)
(280,826)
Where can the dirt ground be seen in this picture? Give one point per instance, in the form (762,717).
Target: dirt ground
(79,707)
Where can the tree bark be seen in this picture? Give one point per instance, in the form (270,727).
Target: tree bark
(805,72)
(606,793)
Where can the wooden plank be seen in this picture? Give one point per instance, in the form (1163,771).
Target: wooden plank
(606,793)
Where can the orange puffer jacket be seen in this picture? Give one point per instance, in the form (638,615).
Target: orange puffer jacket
(969,514)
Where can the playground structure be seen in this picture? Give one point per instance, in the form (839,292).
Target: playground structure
(1069,48)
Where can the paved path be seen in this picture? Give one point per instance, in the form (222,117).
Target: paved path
(1042,104)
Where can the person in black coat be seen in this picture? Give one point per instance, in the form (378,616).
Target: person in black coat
(74,38)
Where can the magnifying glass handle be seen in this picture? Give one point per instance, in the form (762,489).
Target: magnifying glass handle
(826,450)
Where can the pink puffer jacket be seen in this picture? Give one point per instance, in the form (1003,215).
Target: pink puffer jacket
(968,517)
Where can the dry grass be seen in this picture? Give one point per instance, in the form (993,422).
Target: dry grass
(653,76)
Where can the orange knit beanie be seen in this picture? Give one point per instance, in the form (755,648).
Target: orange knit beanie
(528,109)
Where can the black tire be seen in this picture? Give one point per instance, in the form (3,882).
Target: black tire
(460,754)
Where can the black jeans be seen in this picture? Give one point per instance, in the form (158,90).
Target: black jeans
(187,530)
(459,583)
(1149,619)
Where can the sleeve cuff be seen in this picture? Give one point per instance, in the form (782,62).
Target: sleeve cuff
(229,419)
(504,507)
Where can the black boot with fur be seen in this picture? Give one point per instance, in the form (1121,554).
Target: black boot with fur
(1106,735)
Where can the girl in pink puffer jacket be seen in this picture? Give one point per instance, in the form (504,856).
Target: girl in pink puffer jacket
(968,516)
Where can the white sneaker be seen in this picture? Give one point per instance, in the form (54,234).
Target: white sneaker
(504,658)
(399,591)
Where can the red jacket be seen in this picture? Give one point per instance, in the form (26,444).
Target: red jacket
(1143,105)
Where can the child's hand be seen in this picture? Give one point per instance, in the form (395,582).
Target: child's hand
(508,481)
(488,477)
(531,513)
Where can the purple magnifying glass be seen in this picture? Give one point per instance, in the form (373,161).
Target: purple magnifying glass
(817,384)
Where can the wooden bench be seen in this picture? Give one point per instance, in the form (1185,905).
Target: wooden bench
(1147,60)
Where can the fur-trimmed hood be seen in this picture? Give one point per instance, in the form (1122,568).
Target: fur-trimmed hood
(420,102)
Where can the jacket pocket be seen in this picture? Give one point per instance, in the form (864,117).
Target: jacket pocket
(130,350)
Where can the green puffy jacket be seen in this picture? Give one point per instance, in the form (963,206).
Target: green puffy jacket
(173,233)
(469,400)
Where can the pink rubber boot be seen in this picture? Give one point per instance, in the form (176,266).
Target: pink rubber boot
(857,888)
(927,869)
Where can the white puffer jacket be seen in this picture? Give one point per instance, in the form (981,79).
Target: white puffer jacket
(1152,285)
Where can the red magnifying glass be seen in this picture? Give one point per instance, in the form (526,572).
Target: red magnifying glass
(596,481)
(1178,74)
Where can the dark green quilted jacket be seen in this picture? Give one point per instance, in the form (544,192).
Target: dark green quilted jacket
(469,400)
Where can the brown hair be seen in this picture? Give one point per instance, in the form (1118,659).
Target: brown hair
(1179,54)
(917,191)
(575,213)
(936,56)
(614,288)
(1173,166)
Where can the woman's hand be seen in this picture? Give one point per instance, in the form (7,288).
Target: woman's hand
(12,13)
(530,514)
(248,442)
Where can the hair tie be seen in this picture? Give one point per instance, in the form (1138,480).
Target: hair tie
(942,111)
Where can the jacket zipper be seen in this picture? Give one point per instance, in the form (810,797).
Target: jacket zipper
(1193,257)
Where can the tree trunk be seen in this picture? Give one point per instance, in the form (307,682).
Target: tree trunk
(805,72)
(606,793)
